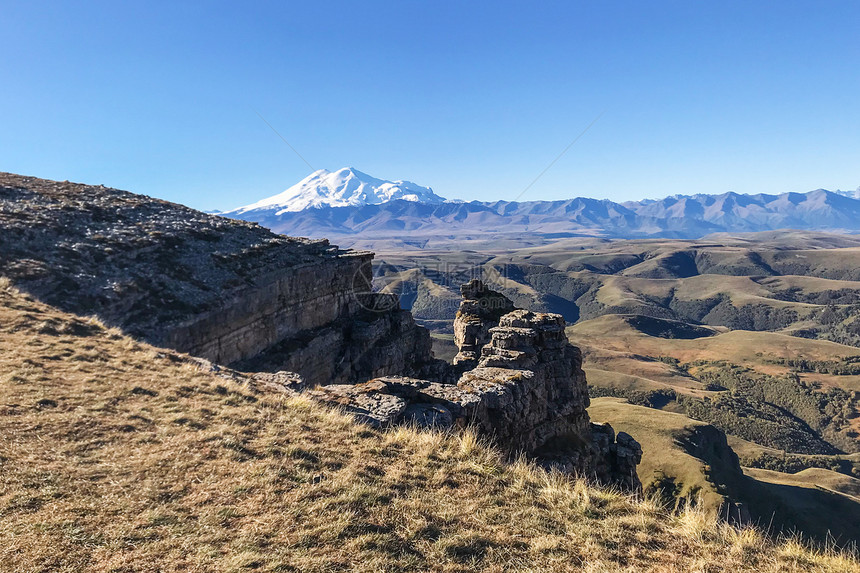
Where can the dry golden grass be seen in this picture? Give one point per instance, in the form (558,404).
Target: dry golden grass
(115,456)
(612,345)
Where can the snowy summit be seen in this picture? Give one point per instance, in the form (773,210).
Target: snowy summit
(345,187)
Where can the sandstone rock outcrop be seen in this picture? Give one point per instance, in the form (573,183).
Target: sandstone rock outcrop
(355,347)
(480,310)
(228,291)
(617,457)
(554,406)
(528,393)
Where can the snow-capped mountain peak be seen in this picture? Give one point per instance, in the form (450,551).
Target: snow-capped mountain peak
(347,187)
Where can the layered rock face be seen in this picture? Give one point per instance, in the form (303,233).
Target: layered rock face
(355,347)
(291,300)
(225,290)
(528,393)
(554,406)
(479,311)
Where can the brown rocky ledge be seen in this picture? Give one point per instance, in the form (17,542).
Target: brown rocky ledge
(228,291)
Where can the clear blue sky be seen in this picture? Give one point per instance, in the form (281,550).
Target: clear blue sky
(473,99)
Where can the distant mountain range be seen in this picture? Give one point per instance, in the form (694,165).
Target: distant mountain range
(348,202)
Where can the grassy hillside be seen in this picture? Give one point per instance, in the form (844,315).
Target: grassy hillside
(756,456)
(683,460)
(686,461)
(765,351)
(117,456)
(813,478)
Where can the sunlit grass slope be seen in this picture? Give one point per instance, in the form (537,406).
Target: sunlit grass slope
(115,456)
